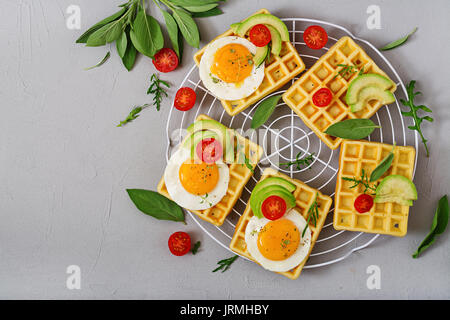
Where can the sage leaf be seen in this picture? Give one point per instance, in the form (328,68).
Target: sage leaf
(172,30)
(202,8)
(209,13)
(264,111)
(146,34)
(84,37)
(156,205)
(106,34)
(188,27)
(121,44)
(353,129)
(129,57)
(440,222)
(191,3)
(398,42)
(383,166)
(108,54)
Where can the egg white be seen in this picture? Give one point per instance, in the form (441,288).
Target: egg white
(221,89)
(255,225)
(188,200)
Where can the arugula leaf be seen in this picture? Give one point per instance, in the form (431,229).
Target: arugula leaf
(353,129)
(187,26)
(383,166)
(156,205)
(134,113)
(122,44)
(225,264)
(146,34)
(194,249)
(101,62)
(157,90)
(264,111)
(172,30)
(398,42)
(209,13)
(440,222)
(413,113)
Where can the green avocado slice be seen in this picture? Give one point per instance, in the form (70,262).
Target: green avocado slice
(396,188)
(260,56)
(272,190)
(263,18)
(363,81)
(372,92)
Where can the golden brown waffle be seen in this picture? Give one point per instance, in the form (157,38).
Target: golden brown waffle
(277,73)
(305,196)
(385,218)
(239,176)
(323,74)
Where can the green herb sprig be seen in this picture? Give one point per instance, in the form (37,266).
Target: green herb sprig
(348,70)
(364,180)
(398,42)
(313,214)
(195,248)
(306,161)
(134,113)
(108,54)
(225,264)
(157,90)
(413,109)
(440,222)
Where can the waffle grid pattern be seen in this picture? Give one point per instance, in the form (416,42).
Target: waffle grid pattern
(305,196)
(239,176)
(277,73)
(325,73)
(384,218)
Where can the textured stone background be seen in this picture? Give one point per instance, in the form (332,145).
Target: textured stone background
(64,166)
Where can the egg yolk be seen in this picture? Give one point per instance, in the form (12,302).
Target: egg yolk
(232,63)
(279,239)
(198,177)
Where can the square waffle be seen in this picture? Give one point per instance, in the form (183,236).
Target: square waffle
(277,73)
(305,196)
(385,218)
(323,74)
(239,176)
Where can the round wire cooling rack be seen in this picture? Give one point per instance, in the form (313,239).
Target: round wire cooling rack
(293,137)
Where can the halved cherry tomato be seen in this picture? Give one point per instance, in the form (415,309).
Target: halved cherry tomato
(315,37)
(165,60)
(260,35)
(322,97)
(185,99)
(363,203)
(179,243)
(209,150)
(274,207)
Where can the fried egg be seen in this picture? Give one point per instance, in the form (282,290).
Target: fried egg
(227,68)
(193,184)
(278,245)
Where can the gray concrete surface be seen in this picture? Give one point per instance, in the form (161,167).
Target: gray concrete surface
(64,166)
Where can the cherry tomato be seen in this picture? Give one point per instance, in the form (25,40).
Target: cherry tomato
(363,203)
(209,150)
(185,99)
(179,243)
(322,97)
(274,207)
(315,37)
(260,35)
(165,60)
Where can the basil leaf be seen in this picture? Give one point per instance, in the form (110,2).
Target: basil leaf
(129,57)
(188,27)
(440,222)
(383,166)
(84,37)
(106,34)
(121,44)
(156,205)
(201,8)
(172,30)
(209,13)
(101,62)
(398,42)
(264,111)
(146,34)
(352,129)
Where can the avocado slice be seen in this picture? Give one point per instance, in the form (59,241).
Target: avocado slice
(396,188)
(191,142)
(260,55)
(372,92)
(363,81)
(263,18)
(271,190)
(225,135)
(267,183)
(276,40)
(235,26)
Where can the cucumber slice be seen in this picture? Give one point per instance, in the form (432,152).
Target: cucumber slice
(396,188)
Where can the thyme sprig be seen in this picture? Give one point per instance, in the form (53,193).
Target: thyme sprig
(364,180)
(348,70)
(313,214)
(413,113)
(157,90)
(225,264)
(306,161)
